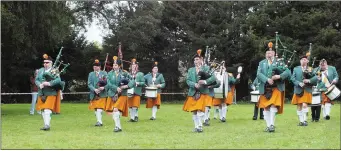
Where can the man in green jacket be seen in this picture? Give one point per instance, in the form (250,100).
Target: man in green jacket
(97,80)
(118,83)
(48,91)
(134,101)
(302,89)
(198,94)
(155,79)
(328,77)
(271,88)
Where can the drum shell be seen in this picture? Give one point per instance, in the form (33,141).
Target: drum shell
(333,92)
(316,98)
(130,92)
(151,92)
(255,96)
(222,90)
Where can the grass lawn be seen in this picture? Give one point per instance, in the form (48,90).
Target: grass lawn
(74,129)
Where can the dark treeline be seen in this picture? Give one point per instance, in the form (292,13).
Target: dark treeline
(167,32)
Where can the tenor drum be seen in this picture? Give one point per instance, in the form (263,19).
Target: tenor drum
(316,98)
(333,92)
(130,92)
(151,92)
(220,92)
(255,96)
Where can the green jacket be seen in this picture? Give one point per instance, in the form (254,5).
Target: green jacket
(262,73)
(332,75)
(92,84)
(47,90)
(140,79)
(192,79)
(114,82)
(232,81)
(297,78)
(159,80)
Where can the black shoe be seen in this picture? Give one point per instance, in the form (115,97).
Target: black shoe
(305,123)
(262,118)
(317,120)
(272,129)
(200,130)
(300,124)
(152,118)
(98,124)
(45,128)
(327,117)
(206,123)
(215,118)
(117,129)
(223,119)
(131,120)
(136,119)
(254,118)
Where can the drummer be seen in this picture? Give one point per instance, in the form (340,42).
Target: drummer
(155,79)
(302,90)
(327,78)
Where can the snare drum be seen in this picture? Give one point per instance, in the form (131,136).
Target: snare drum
(130,92)
(255,96)
(151,92)
(316,98)
(333,92)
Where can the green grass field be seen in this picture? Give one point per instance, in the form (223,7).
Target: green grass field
(73,129)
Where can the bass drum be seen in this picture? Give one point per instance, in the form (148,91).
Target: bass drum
(222,90)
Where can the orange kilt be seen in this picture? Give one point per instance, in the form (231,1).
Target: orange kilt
(193,105)
(230,95)
(134,101)
(109,106)
(152,102)
(209,101)
(217,102)
(98,104)
(122,105)
(306,98)
(325,99)
(52,102)
(276,99)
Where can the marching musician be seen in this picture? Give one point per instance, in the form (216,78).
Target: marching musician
(134,101)
(232,81)
(271,88)
(256,108)
(328,77)
(48,95)
(303,89)
(117,101)
(97,83)
(198,91)
(155,79)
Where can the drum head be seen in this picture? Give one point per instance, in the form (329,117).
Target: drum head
(151,88)
(330,89)
(254,92)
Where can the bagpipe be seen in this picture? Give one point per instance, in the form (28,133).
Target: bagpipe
(280,65)
(55,72)
(309,72)
(217,69)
